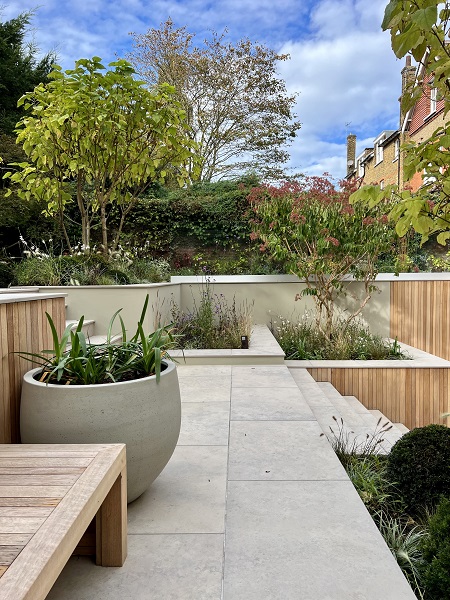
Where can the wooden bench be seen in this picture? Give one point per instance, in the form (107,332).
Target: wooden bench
(49,494)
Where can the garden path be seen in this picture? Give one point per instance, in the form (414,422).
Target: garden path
(253,505)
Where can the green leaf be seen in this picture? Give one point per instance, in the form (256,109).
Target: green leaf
(425,17)
(390,10)
(443,237)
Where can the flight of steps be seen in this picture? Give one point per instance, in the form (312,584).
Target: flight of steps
(88,329)
(346,414)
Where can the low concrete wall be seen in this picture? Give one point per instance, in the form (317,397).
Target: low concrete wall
(101,302)
(274,296)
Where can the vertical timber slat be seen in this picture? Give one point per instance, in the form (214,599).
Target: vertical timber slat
(23,328)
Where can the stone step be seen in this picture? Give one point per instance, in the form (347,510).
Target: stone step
(401,427)
(350,416)
(87,329)
(394,434)
(390,436)
(101,339)
(345,416)
(364,421)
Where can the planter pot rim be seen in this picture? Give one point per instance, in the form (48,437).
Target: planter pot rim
(29,378)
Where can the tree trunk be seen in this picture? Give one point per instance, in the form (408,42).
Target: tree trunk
(104,229)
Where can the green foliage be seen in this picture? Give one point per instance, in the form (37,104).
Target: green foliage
(419,464)
(20,70)
(421,28)
(88,269)
(311,227)
(368,475)
(350,447)
(74,361)
(436,553)
(239,111)
(405,541)
(7,276)
(199,216)
(145,270)
(237,260)
(104,132)
(212,323)
(302,340)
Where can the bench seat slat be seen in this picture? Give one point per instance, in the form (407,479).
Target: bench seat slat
(34,491)
(20,524)
(41,470)
(42,480)
(45,461)
(14,539)
(25,511)
(44,501)
(9,553)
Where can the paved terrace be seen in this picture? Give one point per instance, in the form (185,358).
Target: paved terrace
(253,505)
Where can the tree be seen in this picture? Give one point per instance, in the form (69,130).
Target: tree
(20,69)
(239,112)
(421,29)
(101,137)
(311,227)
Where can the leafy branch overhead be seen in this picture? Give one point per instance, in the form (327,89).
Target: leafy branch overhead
(421,29)
(239,111)
(98,138)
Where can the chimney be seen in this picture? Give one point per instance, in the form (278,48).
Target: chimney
(408,75)
(408,80)
(351,153)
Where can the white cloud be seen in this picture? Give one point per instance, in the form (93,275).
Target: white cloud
(348,79)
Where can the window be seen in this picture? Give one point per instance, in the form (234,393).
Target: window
(360,167)
(433,100)
(378,153)
(397,149)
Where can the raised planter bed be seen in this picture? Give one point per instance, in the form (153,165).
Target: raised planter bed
(263,350)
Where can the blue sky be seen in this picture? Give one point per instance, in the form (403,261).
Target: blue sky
(341,65)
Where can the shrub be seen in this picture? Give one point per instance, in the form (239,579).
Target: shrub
(311,227)
(349,446)
(368,475)
(37,271)
(436,553)
(404,542)
(303,340)
(7,276)
(149,271)
(419,464)
(212,323)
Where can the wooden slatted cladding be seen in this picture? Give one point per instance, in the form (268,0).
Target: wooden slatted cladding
(414,397)
(420,315)
(23,328)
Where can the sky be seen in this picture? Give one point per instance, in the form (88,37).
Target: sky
(341,64)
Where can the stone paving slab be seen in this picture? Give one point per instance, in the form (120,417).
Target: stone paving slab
(261,376)
(292,540)
(204,424)
(189,497)
(281,450)
(158,567)
(198,389)
(261,404)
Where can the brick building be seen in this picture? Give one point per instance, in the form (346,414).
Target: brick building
(383,162)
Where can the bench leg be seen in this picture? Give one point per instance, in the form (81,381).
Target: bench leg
(111,526)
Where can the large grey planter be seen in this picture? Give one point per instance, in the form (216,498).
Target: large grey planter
(143,414)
